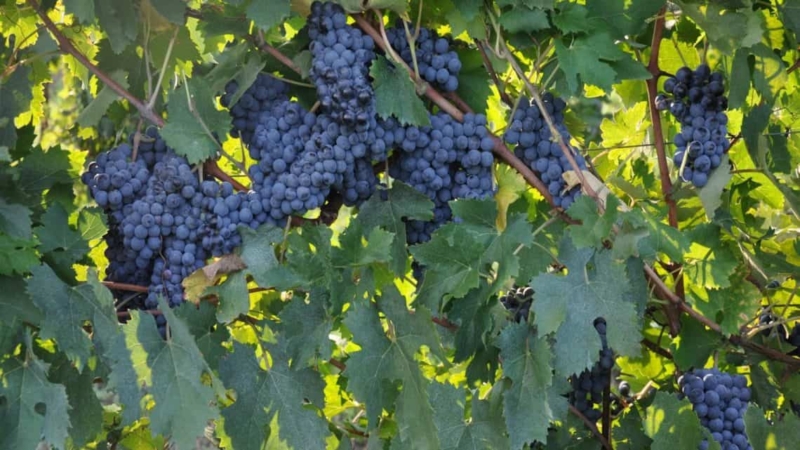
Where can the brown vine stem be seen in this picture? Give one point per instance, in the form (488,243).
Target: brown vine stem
(603,441)
(124,286)
(66,46)
(500,149)
(213,169)
(663,169)
(487,63)
(262,45)
(655,348)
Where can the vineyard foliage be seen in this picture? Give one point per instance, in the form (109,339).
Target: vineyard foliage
(382,224)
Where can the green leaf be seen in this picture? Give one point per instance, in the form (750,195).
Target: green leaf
(86,418)
(402,201)
(15,95)
(672,424)
(15,220)
(526,362)
(57,234)
(42,170)
(16,303)
(595,286)
(589,57)
(82,9)
(32,408)
(234,298)
(595,228)
(120,21)
(381,361)
(92,224)
(191,120)
(97,108)
(16,255)
(740,71)
(261,395)
(353,252)
(305,326)
(202,323)
(173,372)
(711,193)
(398,6)
(628,433)
(172,10)
(483,430)
(395,94)
(762,435)
(571,18)
(694,345)
(791,18)
(769,72)
(710,261)
(64,312)
(268,13)
(258,252)
(622,19)
(726,30)
(731,307)
(522,19)
(235,64)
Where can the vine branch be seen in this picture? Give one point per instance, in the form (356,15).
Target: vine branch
(603,441)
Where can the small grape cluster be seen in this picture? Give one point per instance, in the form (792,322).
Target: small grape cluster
(437,63)
(259,97)
(588,386)
(341,55)
(448,160)
(518,302)
(696,98)
(720,400)
(536,146)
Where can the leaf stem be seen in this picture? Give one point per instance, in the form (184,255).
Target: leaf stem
(154,93)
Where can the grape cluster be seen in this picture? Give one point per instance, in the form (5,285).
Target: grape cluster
(446,161)
(259,97)
(536,146)
(587,388)
(437,63)
(341,55)
(518,301)
(720,400)
(696,99)
(163,221)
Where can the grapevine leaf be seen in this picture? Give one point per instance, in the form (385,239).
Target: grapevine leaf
(731,306)
(484,429)
(120,22)
(402,201)
(189,127)
(694,345)
(172,10)
(310,257)
(740,71)
(110,344)
(174,368)
(474,84)
(588,57)
(261,395)
(595,227)
(526,362)
(572,18)
(202,323)
(64,313)
(595,286)
(86,419)
(305,326)
(642,235)
(16,255)
(622,18)
(671,423)
(234,298)
(523,19)
(92,224)
(726,30)
(15,220)
(628,433)
(769,72)
(97,108)
(268,13)
(762,435)
(353,252)
(16,303)
(32,408)
(57,234)
(711,193)
(710,262)
(258,252)
(381,361)
(791,18)
(763,386)
(15,95)
(82,9)
(472,314)
(395,94)
(42,170)
(231,65)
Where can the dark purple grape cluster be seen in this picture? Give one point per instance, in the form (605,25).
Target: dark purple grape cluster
(720,400)
(518,302)
(446,161)
(588,387)
(536,146)
(437,63)
(696,98)
(259,97)
(341,55)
